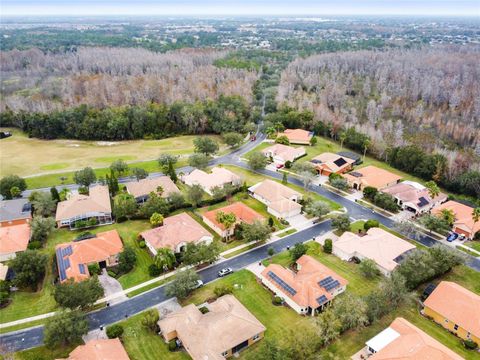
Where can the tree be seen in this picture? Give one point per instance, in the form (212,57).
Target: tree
(165,259)
(257,160)
(150,320)
(64,328)
(29,267)
(368,268)
(78,295)
(366,145)
(139,173)
(64,194)
(176,200)
(328,246)
(42,202)
(167,160)
(433,189)
(340,184)
(119,166)
(282,140)
(154,204)
(199,161)
(270,251)
(232,139)
(42,227)
(156,219)
(284,178)
(124,206)
(448,215)
(313,141)
(257,231)
(15,192)
(317,208)
(342,137)
(476,216)
(434,223)
(195,194)
(171,173)
(385,201)
(306,171)
(10,181)
(298,250)
(341,222)
(85,177)
(328,326)
(408,229)
(227,220)
(270,132)
(184,283)
(112,183)
(205,145)
(54,193)
(369,192)
(114,331)
(370,224)
(351,311)
(195,254)
(126,259)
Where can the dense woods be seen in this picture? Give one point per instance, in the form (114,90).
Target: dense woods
(36,81)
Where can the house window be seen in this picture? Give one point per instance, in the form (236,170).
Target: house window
(468,335)
(455,327)
(225,353)
(256,337)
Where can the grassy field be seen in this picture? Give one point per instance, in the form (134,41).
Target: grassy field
(42,353)
(28,156)
(473,244)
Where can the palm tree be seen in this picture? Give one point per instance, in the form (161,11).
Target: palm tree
(475,217)
(448,215)
(343,137)
(270,132)
(366,144)
(159,190)
(227,220)
(165,259)
(433,189)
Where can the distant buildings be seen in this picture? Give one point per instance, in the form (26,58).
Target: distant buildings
(464,223)
(100,349)
(15,218)
(218,177)
(298,136)
(141,189)
(371,176)
(280,153)
(329,163)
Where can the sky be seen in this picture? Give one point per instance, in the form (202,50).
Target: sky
(240,7)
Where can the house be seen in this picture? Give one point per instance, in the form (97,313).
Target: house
(386,249)
(176,232)
(351,155)
(242,212)
(73,258)
(218,177)
(371,176)
(464,223)
(281,201)
(280,153)
(456,309)
(403,340)
(414,197)
(14,239)
(330,163)
(80,207)
(224,330)
(100,349)
(3,271)
(141,189)
(298,136)
(15,212)
(308,290)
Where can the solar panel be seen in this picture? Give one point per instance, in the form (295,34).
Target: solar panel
(282,283)
(68,250)
(356,174)
(325,281)
(422,202)
(332,285)
(322,300)
(66,263)
(340,162)
(81,267)
(61,264)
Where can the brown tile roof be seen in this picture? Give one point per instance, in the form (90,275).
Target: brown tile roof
(100,349)
(463,215)
(411,192)
(331,161)
(413,344)
(85,252)
(217,177)
(373,176)
(174,231)
(14,238)
(456,304)
(242,212)
(304,281)
(297,135)
(146,186)
(207,336)
(98,200)
(285,152)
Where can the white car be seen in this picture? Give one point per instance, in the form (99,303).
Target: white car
(199,284)
(225,272)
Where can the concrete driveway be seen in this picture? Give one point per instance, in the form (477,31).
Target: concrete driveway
(111,286)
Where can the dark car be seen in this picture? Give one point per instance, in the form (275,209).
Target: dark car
(452,237)
(225,272)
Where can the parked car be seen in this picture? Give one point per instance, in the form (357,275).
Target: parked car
(452,237)
(279,166)
(461,237)
(199,284)
(253,138)
(225,272)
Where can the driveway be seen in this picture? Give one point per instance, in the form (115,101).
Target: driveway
(111,286)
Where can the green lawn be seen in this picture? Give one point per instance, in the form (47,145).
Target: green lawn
(473,244)
(42,353)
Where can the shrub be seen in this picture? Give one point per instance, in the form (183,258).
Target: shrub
(271,251)
(288,164)
(222,290)
(270,221)
(277,300)
(35,245)
(83,190)
(204,310)
(370,224)
(142,244)
(369,192)
(4,297)
(368,268)
(154,270)
(172,345)
(94,269)
(112,273)
(470,344)
(114,331)
(328,246)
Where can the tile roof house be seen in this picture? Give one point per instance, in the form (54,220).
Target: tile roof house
(464,223)
(83,207)
(242,212)
(297,136)
(176,232)
(371,176)
(414,197)
(330,163)
(218,177)
(224,330)
(282,153)
(100,349)
(309,289)
(13,239)
(15,212)
(456,309)
(141,189)
(281,200)
(378,245)
(73,258)
(351,155)
(403,340)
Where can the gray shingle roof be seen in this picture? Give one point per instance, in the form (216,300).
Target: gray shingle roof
(14,209)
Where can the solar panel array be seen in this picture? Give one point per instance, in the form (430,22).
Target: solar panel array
(422,202)
(322,300)
(340,162)
(356,174)
(282,283)
(81,267)
(63,264)
(329,283)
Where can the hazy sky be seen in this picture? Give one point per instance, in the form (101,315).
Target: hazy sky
(240,7)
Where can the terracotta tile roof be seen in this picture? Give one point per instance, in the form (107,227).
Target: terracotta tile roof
(177,229)
(305,281)
(15,209)
(378,245)
(411,343)
(217,177)
(333,162)
(457,304)
(463,215)
(207,336)
(145,186)
(285,152)
(98,200)
(372,176)
(14,238)
(297,135)
(100,349)
(242,212)
(77,255)
(412,192)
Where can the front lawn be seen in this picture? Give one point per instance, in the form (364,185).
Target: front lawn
(42,353)
(473,244)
